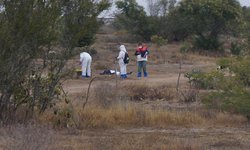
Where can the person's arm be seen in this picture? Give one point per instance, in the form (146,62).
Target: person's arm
(81,60)
(137,52)
(120,56)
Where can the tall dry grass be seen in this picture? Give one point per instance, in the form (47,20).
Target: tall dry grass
(133,116)
(120,116)
(26,137)
(109,109)
(142,91)
(128,115)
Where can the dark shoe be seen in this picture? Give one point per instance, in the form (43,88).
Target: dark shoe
(139,74)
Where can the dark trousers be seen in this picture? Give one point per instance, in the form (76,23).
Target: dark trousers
(142,65)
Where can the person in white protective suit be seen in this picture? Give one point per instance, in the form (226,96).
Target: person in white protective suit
(85,61)
(123,66)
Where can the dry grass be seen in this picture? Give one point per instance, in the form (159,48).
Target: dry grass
(29,137)
(142,91)
(121,115)
(132,116)
(226,119)
(157,141)
(217,118)
(105,94)
(109,109)
(128,115)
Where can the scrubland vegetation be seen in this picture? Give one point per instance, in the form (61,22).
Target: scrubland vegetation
(196,97)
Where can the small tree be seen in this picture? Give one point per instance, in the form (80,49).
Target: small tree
(160,7)
(46,30)
(132,17)
(22,36)
(209,19)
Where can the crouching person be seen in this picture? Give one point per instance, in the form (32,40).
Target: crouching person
(85,61)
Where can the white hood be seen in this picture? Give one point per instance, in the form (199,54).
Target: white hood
(122,48)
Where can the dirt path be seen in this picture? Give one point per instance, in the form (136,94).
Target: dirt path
(158,74)
(146,138)
(228,138)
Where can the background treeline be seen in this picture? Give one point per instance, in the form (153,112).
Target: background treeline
(201,22)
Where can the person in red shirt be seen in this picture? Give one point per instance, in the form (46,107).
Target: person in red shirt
(142,58)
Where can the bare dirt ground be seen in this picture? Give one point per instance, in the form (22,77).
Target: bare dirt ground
(37,137)
(158,74)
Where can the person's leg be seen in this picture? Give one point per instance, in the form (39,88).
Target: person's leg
(84,68)
(123,71)
(121,65)
(144,67)
(139,65)
(89,68)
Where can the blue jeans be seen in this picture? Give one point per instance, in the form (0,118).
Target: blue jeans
(142,65)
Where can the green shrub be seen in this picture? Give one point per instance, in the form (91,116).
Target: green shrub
(185,47)
(233,94)
(199,79)
(207,43)
(234,101)
(241,69)
(158,40)
(225,62)
(235,48)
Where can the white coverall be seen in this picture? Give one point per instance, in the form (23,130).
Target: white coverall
(123,68)
(86,60)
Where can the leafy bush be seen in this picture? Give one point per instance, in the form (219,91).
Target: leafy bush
(158,40)
(241,69)
(207,43)
(235,101)
(225,62)
(233,93)
(235,48)
(185,47)
(199,79)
